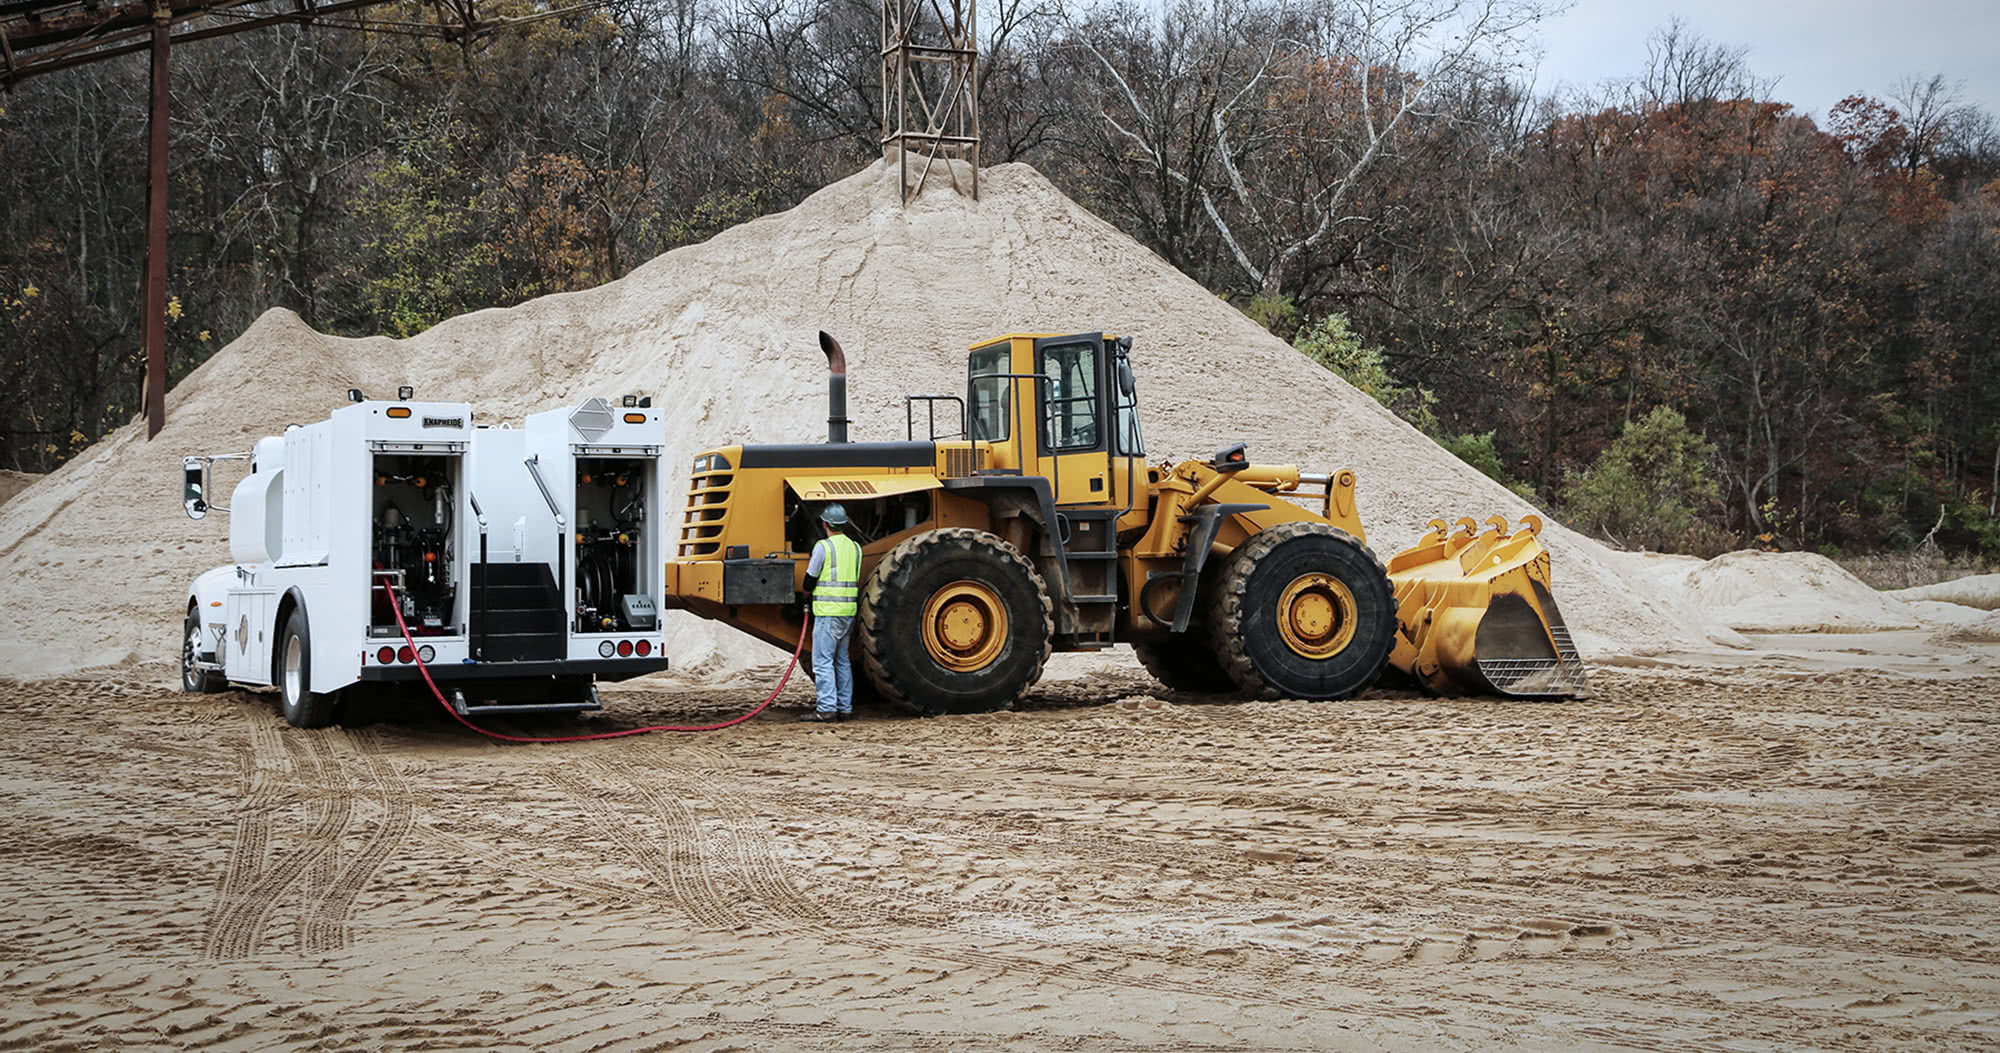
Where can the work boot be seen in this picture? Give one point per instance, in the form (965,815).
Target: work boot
(816,717)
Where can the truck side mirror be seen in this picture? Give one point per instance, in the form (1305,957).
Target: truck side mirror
(194,486)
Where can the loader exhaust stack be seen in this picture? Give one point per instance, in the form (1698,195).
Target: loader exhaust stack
(836,388)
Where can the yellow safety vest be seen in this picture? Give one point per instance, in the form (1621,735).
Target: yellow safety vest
(838,594)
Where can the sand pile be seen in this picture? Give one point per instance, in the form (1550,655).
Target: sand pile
(1985,630)
(12,482)
(98,555)
(1980,591)
(1791,592)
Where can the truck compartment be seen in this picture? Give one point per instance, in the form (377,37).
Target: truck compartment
(412,505)
(617,554)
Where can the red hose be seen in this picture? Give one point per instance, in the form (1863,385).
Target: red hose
(397,610)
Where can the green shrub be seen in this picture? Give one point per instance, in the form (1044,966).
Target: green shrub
(1650,488)
(1478,451)
(1275,313)
(1332,343)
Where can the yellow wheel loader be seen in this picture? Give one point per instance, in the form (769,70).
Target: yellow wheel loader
(1037,526)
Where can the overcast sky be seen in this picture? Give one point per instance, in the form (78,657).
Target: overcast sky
(1820,52)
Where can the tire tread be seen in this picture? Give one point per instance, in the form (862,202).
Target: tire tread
(1226,606)
(896,569)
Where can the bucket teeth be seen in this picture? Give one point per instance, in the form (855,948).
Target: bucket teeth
(1476,614)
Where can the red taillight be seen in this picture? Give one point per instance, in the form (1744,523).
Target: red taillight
(386,655)
(645,648)
(406,655)
(624,648)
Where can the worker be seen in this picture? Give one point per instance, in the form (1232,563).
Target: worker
(833,580)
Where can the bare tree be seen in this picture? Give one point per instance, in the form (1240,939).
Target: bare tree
(1297,106)
(1934,110)
(1685,69)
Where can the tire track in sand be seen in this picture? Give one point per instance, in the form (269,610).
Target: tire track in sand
(675,862)
(325,925)
(237,927)
(251,840)
(944,937)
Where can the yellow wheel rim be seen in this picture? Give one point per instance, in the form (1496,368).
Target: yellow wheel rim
(1316,615)
(965,626)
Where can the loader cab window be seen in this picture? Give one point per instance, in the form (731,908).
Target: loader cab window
(1070,406)
(988,387)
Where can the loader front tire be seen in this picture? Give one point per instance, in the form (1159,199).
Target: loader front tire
(301,706)
(1303,610)
(954,621)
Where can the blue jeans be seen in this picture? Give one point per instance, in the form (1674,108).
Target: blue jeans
(833,676)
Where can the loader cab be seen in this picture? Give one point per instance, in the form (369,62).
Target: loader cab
(1079,401)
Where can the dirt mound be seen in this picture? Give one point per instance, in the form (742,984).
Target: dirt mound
(1981,591)
(1984,629)
(1792,592)
(12,483)
(724,331)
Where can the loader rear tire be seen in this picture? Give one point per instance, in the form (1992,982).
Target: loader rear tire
(954,621)
(1303,610)
(302,707)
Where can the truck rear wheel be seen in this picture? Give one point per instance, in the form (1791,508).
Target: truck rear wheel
(954,621)
(302,707)
(1303,610)
(194,679)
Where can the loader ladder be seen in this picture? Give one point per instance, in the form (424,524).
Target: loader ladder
(1086,545)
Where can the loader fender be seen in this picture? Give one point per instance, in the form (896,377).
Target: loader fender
(1033,492)
(1203,523)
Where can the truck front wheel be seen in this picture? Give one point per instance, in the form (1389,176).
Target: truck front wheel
(303,707)
(194,679)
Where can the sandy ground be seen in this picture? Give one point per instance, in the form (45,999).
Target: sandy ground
(1742,842)
(1778,854)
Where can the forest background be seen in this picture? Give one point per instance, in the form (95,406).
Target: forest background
(1673,308)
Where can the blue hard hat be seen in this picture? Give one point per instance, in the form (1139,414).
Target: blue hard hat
(834,515)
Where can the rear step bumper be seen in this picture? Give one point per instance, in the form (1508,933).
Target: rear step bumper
(601,668)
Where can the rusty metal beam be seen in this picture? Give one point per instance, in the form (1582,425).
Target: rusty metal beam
(131,42)
(154,325)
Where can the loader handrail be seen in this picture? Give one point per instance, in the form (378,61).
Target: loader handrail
(930,406)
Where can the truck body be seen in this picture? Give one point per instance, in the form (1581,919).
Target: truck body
(524,562)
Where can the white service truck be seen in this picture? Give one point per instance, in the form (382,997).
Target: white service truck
(524,563)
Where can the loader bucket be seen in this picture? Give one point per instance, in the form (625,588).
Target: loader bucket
(1475,613)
